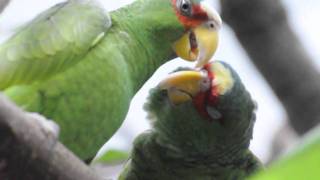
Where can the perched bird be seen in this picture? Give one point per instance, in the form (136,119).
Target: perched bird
(80,65)
(202,125)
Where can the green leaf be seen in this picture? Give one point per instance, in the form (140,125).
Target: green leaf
(112,156)
(303,163)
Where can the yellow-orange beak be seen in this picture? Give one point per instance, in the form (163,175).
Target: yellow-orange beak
(200,43)
(182,85)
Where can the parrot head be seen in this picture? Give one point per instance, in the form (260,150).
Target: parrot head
(202,24)
(188,28)
(203,109)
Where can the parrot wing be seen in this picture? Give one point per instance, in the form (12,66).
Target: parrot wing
(52,42)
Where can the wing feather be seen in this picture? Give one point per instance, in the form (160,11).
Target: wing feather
(52,42)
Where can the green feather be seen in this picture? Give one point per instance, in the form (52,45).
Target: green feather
(185,145)
(71,66)
(53,42)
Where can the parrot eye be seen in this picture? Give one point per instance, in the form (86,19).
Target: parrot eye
(212,25)
(185,7)
(205,84)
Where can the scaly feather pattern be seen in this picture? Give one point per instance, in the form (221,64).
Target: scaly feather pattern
(70,65)
(53,42)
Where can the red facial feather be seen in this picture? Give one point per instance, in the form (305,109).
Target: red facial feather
(210,97)
(197,18)
(200,105)
(199,13)
(213,93)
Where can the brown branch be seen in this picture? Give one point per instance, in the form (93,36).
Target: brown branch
(27,153)
(262,28)
(3,4)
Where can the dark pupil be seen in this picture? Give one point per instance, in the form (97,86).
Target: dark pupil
(185,6)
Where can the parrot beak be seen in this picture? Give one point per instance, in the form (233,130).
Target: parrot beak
(200,43)
(182,86)
(207,40)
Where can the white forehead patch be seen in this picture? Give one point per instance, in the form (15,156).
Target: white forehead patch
(223,79)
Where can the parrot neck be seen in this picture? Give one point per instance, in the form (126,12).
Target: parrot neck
(219,153)
(149,29)
(195,137)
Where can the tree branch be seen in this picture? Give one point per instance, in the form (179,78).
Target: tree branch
(3,4)
(27,153)
(262,28)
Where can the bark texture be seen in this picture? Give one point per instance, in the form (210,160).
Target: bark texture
(3,4)
(28,153)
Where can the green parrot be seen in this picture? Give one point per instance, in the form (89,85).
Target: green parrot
(80,65)
(202,125)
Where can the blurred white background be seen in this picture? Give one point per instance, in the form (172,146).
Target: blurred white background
(304,18)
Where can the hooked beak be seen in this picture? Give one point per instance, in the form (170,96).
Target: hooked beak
(182,86)
(200,43)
